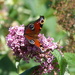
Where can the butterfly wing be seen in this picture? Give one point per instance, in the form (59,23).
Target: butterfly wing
(32,30)
(33,41)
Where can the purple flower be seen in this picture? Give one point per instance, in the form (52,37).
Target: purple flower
(47,43)
(26,51)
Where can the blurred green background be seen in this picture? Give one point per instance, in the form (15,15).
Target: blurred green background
(18,12)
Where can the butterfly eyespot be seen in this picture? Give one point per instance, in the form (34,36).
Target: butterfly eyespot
(31,26)
(42,21)
(31,41)
(32,30)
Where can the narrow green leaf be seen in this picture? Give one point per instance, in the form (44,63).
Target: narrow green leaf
(29,71)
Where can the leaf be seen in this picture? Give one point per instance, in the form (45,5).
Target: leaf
(7,67)
(29,71)
(15,1)
(1,56)
(70,58)
(61,61)
(37,6)
(49,13)
(50,25)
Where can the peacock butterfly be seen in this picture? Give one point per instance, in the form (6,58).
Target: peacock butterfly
(32,30)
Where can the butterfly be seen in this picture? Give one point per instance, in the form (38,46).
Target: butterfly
(32,30)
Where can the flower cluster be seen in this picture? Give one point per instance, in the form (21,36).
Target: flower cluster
(26,51)
(65,14)
(66,18)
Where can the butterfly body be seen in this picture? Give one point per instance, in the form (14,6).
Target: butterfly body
(32,30)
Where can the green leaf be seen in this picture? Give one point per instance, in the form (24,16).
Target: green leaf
(37,6)
(7,67)
(49,12)
(15,1)
(29,71)
(61,61)
(50,25)
(70,58)
(1,56)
